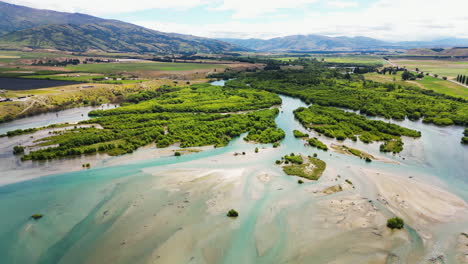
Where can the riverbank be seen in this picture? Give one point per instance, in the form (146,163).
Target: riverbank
(150,207)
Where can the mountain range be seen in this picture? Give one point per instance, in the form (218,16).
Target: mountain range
(304,43)
(23,27)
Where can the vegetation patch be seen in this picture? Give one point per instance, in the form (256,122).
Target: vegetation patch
(327,87)
(333,189)
(314,142)
(310,169)
(294,159)
(395,223)
(36,216)
(18,150)
(336,123)
(352,151)
(393,145)
(204,98)
(299,134)
(232,213)
(465,136)
(169,119)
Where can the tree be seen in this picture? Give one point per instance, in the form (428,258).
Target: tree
(405,75)
(18,150)
(395,223)
(36,216)
(232,213)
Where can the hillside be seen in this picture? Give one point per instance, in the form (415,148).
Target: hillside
(16,17)
(307,43)
(303,43)
(110,36)
(457,51)
(44,29)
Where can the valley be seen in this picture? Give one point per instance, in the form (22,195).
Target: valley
(126,144)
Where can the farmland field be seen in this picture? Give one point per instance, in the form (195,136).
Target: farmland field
(355,59)
(7,56)
(80,78)
(140,66)
(446,68)
(375,60)
(427,82)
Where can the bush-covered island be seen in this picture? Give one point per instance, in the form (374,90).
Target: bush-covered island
(195,116)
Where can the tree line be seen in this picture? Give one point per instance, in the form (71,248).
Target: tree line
(463,79)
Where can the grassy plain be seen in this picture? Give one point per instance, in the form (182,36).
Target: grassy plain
(140,67)
(447,68)
(373,60)
(8,56)
(62,97)
(428,82)
(354,59)
(80,78)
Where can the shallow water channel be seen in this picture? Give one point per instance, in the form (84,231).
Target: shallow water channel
(124,213)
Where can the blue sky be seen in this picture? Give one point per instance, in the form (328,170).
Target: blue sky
(396,20)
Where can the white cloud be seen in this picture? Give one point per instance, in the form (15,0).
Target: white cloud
(252,8)
(384,19)
(100,7)
(401,20)
(342,4)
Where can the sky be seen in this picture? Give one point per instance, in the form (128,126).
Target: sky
(391,20)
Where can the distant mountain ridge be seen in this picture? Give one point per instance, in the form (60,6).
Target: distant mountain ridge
(16,18)
(321,43)
(24,27)
(457,51)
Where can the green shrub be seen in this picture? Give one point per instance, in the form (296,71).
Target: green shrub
(314,142)
(294,159)
(278,162)
(464,140)
(299,134)
(36,216)
(256,150)
(232,213)
(177,154)
(300,181)
(395,223)
(18,150)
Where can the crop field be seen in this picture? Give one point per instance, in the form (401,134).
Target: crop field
(354,59)
(428,82)
(374,60)
(7,56)
(80,78)
(446,68)
(140,67)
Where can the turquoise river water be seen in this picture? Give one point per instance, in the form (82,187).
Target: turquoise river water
(91,216)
